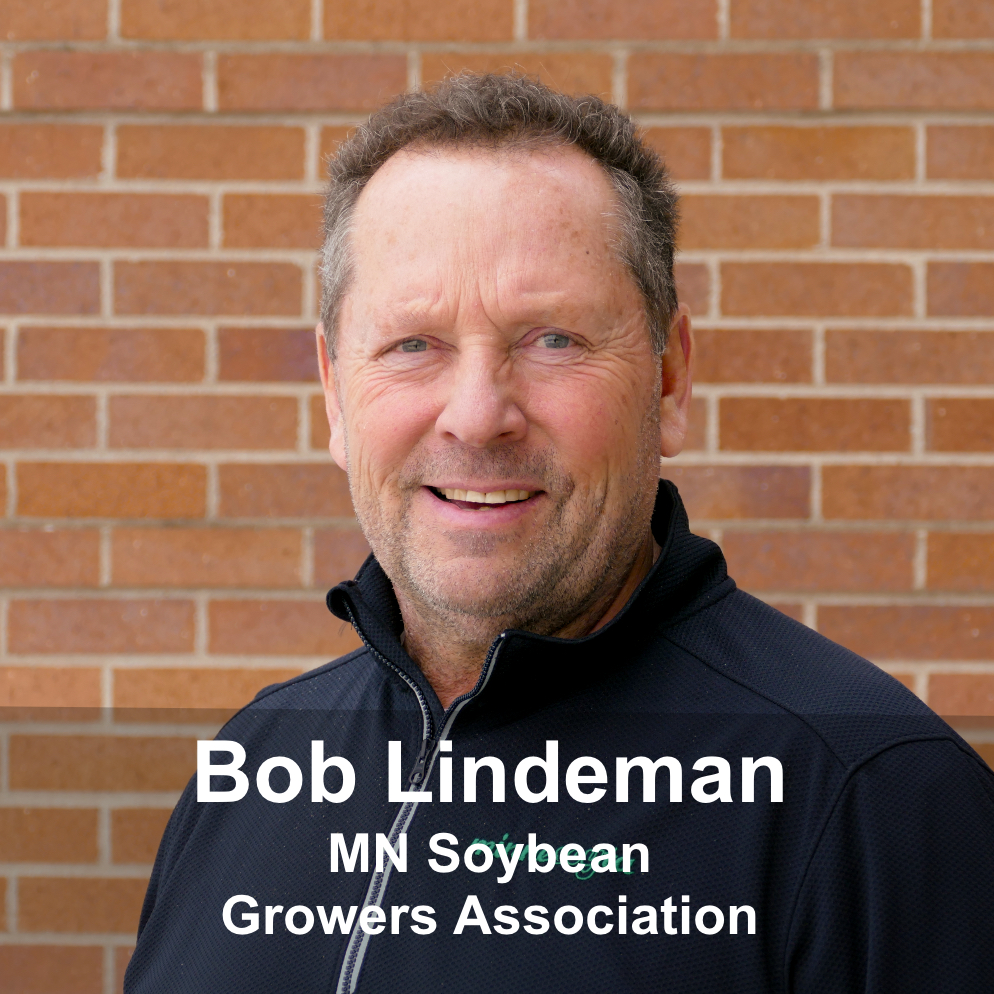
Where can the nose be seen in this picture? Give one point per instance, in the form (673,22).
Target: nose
(480,408)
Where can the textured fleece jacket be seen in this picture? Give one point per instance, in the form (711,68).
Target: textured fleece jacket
(874,873)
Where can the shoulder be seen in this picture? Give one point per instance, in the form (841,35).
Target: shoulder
(853,705)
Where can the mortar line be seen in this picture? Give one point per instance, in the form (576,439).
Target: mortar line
(714,292)
(108,155)
(921,685)
(10,353)
(825,219)
(413,69)
(13,218)
(920,560)
(201,635)
(809,614)
(815,493)
(106,270)
(12,903)
(11,504)
(6,81)
(619,77)
(110,974)
(921,152)
(307,557)
(105,567)
(113,20)
(209,76)
(723,15)
(313,169)
(712,428)
(520,20)
(303,423)
(818,355)
(215,220)
(211,354)
(917,425)
(213,499)
(308,293)
(4,610)
(102,419)
(717,152)
(919,287)
(317,20)
(826,71)
(103,836)
(926,18)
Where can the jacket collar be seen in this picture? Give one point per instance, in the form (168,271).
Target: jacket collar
(688,575)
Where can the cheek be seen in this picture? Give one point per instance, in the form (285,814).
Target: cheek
(384,422)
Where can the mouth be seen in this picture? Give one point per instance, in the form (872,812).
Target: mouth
(475,500)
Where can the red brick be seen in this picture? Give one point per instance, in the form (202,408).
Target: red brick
(693,284)
(277,628)
(570,72)
(111,490)
(824,19)
(47,421)
(935,493)
(129,626)
(80,904)
(338,554)
(202,422)
(254,220)
(267,355)
(49,687)
(54,20)
(444,20)
(320,435)
(925,80)
(820,560)
(290,490)
(106,220)
(198,151)
(111,354)
(49,287)
(193,20)
(193,693)
(671,81)
(101,762)
(814,424)
(961,289)
(32,557)
(961,694)
(287,82)
(962,19)
(812,289)
(919,631)
(206,557)
(135,835)
(696,438)
(858,356)
(818,153)
(50,151)
(961,561)
(908,679)
(744,222)
(960,424)
(67,80)
(48,969)
(912,222)
(331,138)
(960,152)
(714,492)
(746,355)
(600,19)
(48,835)
(686,151)
(173,287)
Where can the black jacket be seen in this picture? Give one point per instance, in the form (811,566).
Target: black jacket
(874,873)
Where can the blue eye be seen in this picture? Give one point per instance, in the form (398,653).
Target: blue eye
(414,345)
(555,341)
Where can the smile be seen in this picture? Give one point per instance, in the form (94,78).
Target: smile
(475,499)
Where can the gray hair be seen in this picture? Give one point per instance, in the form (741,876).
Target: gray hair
(495,112)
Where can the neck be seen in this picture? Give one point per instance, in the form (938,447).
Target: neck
(451,650)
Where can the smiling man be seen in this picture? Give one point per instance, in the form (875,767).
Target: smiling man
(571,755)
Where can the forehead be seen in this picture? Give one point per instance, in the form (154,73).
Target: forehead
(481,208)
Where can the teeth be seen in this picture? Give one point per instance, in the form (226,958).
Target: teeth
(491,497)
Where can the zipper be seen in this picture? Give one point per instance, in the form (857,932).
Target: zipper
(355,951)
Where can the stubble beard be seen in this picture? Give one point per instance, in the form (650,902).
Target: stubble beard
(581,557)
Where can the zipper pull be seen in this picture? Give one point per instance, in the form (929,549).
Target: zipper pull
(418,773)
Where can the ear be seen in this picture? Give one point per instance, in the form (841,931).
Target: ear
(336,445)
(674,401)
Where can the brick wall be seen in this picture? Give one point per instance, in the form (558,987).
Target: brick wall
(171,518)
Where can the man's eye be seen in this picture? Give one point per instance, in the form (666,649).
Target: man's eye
(555,341)
(414,345)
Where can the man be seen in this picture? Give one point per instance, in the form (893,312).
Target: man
(571,756)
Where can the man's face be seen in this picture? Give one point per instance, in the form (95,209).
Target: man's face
(495,398)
